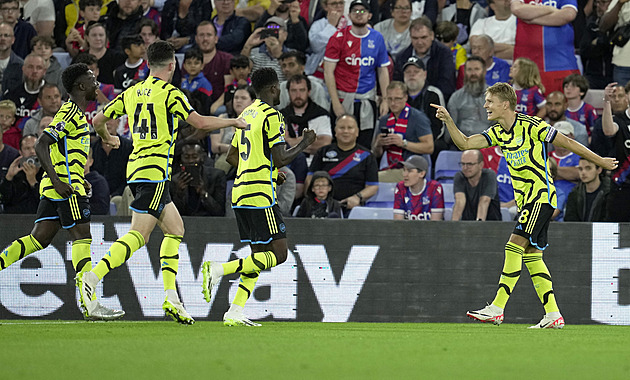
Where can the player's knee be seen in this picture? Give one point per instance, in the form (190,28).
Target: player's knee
(281,257)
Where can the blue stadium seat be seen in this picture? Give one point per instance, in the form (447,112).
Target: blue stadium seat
(448,213)
(112,208)
(446,165)
(384,197)
(371,213)
(449,196)
(505,215)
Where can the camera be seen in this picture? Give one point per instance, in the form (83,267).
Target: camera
(385,130)
(33,160)
(269,32)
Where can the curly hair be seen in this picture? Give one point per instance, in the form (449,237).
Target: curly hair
(72,74)
(263,78)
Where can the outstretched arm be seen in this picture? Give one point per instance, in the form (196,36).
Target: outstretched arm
(283,156)
(99,124)
(461,140)
(211,123)
(607,163)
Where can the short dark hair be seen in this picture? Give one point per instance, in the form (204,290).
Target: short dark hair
(85,57)
(478,59)
(263,78)
(298,79)
(90,3)
(72,74)
(420,22)
(446,31)
(239,60)
(578,81)
(193,53)
(47,40)
(299,56)
(160,53)
(46,85)
(25,136)
(206,22)
(131,39)
(155,30)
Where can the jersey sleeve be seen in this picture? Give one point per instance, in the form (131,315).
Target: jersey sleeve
(399,197)
(539,98)
(489,188)
(372,171)
(275,131)
(383,57)
(491,136)
(458,183)
(61,126)
(177,104)
(567,3)
(115,108)
(544,132)
(437,200)
(333,48)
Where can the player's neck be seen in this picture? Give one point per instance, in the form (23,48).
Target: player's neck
(507,120)
(79,100)
(165,75)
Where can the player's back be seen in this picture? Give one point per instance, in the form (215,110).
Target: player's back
(254,186)
(152,106)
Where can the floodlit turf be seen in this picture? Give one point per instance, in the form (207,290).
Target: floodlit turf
(291,350)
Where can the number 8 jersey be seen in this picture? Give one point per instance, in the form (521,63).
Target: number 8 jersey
(254,186)
(152,106)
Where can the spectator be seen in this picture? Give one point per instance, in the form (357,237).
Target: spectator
(149,31)
(595,49)
(600,143)
(19,190)
(617,127)
(252,9)
(232,30)
(319,201)
(544,34)
(436,57)
(464,13)
(405,131)
(285,191)
(152,13)
(135,67)
(25,94)
(575,88)
(7,152)
(198,190)
(216,62)
(292,63)
(395,30)
(43,46)
(415,198)
(497,70)
(617,17)
(528,87)
(587,201)
(466,104)
(567,163)
(89,12)
(43,124)
(240,70)
(421,96)
(194,81)
(297,37)
(446,32)
(501,28)
(320,32)
(302,112)
(108,60)
(121,20)
(112,163)
(41,14)
(352,69)
(99,189)
(49,99)
(10,63)
(299,168)
(476,191)
(354,180)
(10,131)
(180,19)
(265,51)
(105,91)
(23,31)
(556,107)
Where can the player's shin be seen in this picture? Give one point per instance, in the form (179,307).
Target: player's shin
(256,262)
(81,255)
(510,274)
(169,260)
(246,286)
(120,251)
(19,249)
(541,278)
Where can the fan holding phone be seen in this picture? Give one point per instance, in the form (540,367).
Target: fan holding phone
(266,45)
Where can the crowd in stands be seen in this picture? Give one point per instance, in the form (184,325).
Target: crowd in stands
(361,73)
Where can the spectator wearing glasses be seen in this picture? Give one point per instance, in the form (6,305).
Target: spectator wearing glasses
(22,30)
(320,32)
(395,30)
(476,190)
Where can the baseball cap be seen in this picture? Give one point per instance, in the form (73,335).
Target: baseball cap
(359,2)
(276,20)
(565,127)
(414,61)
(416,162)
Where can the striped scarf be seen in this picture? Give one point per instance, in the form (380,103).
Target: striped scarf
(395,153)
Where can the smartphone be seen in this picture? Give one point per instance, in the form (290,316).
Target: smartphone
(385,131)
(195,173)
(33,160)
(269,32)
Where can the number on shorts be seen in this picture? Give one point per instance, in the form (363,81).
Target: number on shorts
(523,218)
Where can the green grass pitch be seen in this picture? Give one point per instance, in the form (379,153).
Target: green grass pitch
(295,350)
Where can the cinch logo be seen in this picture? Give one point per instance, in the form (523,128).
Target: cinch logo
(358,61)
(522,108)
(504,178)
(420,216)
(24,112)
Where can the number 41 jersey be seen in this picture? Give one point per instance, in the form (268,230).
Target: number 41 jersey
(255,183)
(152,106)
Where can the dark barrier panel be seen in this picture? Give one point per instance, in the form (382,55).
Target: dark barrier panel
(337,271)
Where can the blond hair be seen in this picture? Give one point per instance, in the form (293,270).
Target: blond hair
(8,104)
(528,74)
(504,92)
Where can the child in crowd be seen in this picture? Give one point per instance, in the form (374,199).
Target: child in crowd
(529,88)
(11,134)
(575,87)
(318,202)
(240,70)
(89,11)
(135,67)
(446,32)
(150,12)
(195,81)
(415,198)
(43,46)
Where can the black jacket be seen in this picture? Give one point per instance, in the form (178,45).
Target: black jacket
(576,204)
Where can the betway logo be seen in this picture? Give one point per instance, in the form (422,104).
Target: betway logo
(336,297)
(353,60)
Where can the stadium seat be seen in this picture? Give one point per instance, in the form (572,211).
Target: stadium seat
(112,208)
(596,99)
(505,215)
(446,165)
(360,212)
(384,197)
(449,196)
(448,213)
